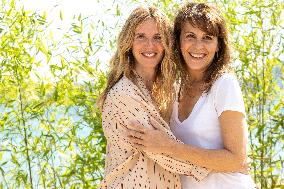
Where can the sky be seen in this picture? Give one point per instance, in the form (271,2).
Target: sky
(69,8)
(94,9)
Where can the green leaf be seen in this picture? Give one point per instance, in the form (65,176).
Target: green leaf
(117,10)
(61,15)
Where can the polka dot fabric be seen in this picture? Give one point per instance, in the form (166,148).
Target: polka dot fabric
(127,167)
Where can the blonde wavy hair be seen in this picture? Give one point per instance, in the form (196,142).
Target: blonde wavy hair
(122,63)
(209,19)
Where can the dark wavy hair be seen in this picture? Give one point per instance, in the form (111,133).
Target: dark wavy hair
(210,20)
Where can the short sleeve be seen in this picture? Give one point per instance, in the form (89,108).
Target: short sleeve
(228,95)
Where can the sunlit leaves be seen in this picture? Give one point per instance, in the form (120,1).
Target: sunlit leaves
(42,111)
(49,88)
(257,43)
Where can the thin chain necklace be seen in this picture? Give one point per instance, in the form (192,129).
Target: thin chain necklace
(190,91)
(147,82)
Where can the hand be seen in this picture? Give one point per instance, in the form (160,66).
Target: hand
(246,167)
(150,140)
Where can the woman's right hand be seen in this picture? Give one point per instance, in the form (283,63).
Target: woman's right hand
(246,167)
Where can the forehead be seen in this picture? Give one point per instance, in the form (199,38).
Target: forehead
(148,26)
(189,27)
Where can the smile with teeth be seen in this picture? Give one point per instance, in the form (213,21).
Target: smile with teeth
(197,55)
(149,54)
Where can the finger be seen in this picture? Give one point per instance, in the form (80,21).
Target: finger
(136,126)
(244,171)
(136,134)
(139,147)
(135,123)
(154,123)
(247,164)
(136,141)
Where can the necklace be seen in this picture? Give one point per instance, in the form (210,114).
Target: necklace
(147,82)
(191,90)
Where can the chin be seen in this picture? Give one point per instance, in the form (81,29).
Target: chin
(151,62)
(196,67)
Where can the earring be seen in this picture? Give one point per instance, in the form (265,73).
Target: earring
(128,57)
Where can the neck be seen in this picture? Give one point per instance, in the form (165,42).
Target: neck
(147,75)
(196,76)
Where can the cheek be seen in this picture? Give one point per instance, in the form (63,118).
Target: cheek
(135,48)
(161,48)
(184,46)
(183,50)
(214,47)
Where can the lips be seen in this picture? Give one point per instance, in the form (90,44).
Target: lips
(197,55)
(149,54)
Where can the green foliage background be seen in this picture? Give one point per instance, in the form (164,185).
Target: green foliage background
(50,127)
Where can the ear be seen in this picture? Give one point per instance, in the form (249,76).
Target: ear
(217,51)
(218,47)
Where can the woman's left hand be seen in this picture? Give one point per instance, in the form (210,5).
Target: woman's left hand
(150,140)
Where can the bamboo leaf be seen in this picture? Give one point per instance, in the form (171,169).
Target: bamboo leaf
(61,15)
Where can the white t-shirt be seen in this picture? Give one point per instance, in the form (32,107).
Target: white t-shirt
(202,128)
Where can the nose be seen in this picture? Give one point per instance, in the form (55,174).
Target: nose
(198,44)
(150,42)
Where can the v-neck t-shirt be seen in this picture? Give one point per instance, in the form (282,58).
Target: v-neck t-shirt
(125,166)
(202,129)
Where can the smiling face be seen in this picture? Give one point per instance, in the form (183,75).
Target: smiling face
(147,47)
(197,47)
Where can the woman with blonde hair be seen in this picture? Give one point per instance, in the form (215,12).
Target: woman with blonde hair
(209,113)
(140,87)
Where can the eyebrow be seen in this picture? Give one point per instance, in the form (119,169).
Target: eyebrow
(139,33)
(205,34)
(144,34)
(187,32)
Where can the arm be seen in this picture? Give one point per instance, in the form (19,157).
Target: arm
(230,110)
(133,107)
(231,158)
(229,107)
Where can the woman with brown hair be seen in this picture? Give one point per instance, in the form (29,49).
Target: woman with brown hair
(140,87)
(209,113)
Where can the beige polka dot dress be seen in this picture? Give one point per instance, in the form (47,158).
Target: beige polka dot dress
(127,167)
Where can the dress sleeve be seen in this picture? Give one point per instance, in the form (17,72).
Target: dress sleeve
(135,108)
(228,96)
